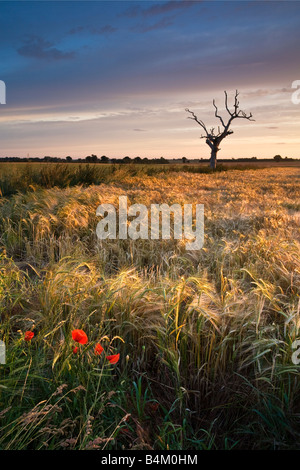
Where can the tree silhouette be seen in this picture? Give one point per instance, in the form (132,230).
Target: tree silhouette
(213,140)
(91,158)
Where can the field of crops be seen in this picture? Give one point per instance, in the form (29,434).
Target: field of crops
(197,345)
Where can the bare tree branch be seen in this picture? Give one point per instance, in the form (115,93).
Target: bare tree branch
(201,123)
(226,103)
(217,115)
(213,140)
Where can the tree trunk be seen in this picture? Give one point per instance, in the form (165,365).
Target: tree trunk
(213,157)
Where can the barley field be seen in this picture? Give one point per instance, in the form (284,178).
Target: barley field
(197,345)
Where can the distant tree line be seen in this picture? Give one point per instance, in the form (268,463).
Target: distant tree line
(137,160)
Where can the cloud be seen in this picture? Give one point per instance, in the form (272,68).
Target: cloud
(131,12)
(160,9)
(167,7)
(76,30)
(258,93)
(266,92)
(164,23)
(107,29)
(39,48)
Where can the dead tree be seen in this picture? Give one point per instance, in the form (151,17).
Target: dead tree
(213,140)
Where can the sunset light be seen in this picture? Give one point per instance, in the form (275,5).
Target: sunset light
(114,77)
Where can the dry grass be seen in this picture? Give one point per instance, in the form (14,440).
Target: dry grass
(207,334)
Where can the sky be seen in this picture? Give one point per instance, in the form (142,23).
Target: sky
(114,77)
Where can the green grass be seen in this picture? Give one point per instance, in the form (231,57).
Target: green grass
(23,177)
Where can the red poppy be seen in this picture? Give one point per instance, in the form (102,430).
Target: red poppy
(29,335)
(75,350)
(113,359)
(98,349)
(79,336)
